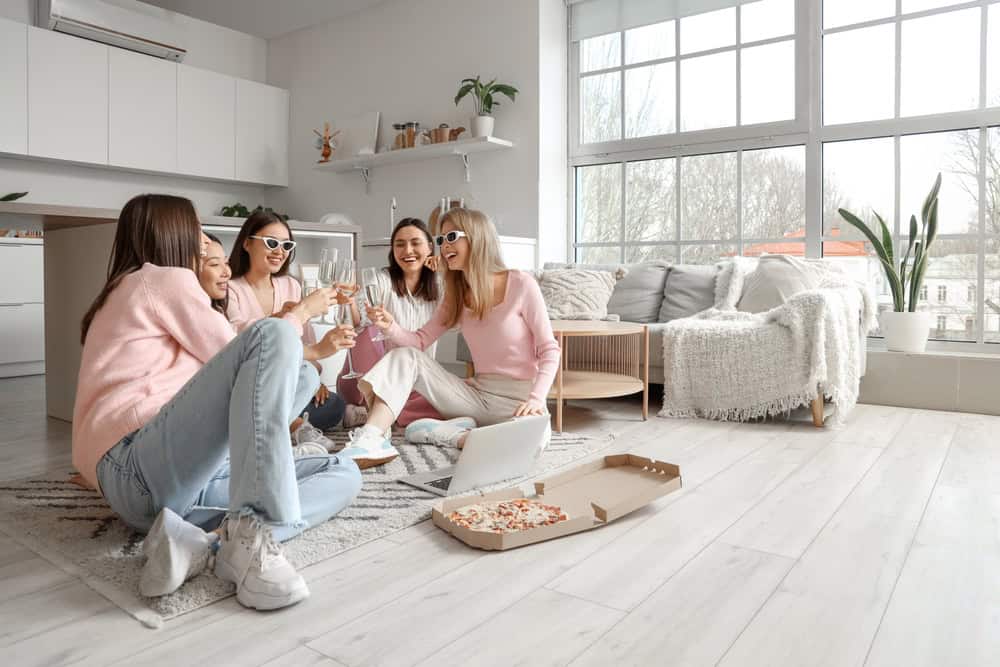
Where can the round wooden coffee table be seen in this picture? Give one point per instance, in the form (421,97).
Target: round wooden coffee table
(600,360)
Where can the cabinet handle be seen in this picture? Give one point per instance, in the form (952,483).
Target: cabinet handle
(10,305)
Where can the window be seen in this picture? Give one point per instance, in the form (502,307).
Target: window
(692,141)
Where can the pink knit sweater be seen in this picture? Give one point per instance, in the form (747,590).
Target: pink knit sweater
(514,339)
(154,332)
(244,309)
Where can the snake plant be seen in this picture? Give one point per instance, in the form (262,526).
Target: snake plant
(904,282)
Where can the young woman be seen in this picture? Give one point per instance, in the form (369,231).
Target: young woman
(261,287)
(410,292)
(214,274)
(501,315)
(177,416)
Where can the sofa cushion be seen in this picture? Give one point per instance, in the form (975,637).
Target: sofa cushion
(638,294)
(690,289)
(577,294)
(776,279)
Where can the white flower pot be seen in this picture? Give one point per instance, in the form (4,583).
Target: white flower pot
(482,126)
(906,332)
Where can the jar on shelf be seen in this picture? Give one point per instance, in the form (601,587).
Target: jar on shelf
(399,136)
(412,130)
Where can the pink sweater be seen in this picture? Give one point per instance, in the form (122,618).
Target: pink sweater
(154,332)
(514,339)
(244,308)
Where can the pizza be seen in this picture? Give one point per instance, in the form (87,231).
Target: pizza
(507,516)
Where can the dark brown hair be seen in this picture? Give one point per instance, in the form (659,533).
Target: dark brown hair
(427,287)
(221,305)
(158,229)
(239,258)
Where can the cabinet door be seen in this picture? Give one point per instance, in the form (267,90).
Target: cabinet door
(22,336)
(142,108)
(67,97)
(13,87)
(206,123)
(261,133)
(21,274)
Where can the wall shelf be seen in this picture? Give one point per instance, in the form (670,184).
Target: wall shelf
(461,149)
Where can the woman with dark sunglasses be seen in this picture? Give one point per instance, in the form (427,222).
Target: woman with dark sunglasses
(261,287)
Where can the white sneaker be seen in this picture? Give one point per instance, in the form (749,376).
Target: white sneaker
(250,558)
(307,433)
(369,448)
(309,449)
(175,551)
(355,415)
(446,433)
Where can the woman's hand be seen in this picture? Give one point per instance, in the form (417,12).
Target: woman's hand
(321,395)
(530,407)
(285,309)
(380,317)
(433,263)
(317,303)
(336,339)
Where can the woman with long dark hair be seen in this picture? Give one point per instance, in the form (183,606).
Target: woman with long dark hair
(261,287)
(179,421)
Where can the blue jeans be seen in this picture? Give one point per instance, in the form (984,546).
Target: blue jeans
(222,444)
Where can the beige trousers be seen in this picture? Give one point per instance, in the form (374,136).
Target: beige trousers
(489,399)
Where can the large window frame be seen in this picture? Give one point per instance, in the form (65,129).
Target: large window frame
(806,129)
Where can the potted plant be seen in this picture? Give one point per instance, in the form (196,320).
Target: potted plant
(484,96)
(905,328)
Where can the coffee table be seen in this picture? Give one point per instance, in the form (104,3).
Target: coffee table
(600,360)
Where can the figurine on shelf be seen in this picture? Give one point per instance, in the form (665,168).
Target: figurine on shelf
(325,143)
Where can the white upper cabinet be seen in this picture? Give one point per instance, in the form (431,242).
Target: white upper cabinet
(206,123)
(261,133)
(67,97)
(142,107)
(13,87)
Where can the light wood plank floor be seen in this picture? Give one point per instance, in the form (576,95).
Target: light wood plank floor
(875,544)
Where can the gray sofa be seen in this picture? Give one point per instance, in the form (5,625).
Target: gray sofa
(652,293)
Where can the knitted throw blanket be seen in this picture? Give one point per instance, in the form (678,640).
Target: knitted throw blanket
(734,366)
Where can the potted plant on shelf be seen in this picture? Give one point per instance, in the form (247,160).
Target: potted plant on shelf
(905,328)
(484,96)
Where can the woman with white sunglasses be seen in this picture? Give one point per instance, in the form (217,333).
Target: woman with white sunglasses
(261,287)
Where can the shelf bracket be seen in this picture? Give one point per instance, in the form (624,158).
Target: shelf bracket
(365,175)
(465,163)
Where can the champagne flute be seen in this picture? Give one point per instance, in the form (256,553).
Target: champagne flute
(373,294)
(347,285)
(327,270)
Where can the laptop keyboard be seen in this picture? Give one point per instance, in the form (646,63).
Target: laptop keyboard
(442,483)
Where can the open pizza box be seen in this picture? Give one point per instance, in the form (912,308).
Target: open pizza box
(590,495)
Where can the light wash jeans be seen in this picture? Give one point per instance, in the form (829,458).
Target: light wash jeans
(222,444)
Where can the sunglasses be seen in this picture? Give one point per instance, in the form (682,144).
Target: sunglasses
(273,243)
(450,237)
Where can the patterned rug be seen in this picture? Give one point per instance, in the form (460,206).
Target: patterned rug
(74,528)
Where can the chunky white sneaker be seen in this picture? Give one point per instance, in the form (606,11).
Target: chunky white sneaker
(368,448)
(309,449)
(175,551)
(307,433)
(249,557)
(355,415)
(437,432)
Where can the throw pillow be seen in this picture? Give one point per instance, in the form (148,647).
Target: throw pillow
(775,280)
(638,292)
(577,294)
(690,289)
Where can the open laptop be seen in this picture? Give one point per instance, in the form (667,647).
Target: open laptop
(491,454)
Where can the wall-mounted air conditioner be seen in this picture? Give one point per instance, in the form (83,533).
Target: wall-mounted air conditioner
(122,23)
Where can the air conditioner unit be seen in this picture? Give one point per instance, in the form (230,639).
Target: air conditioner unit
(122,23)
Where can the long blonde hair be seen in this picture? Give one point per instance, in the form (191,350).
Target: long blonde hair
(474,285)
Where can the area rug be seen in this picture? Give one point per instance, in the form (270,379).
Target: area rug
(74,529)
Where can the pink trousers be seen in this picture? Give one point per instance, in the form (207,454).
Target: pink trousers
(365,354)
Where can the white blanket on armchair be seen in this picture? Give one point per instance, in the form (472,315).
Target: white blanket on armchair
(729,365)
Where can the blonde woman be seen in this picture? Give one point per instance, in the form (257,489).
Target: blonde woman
(502,316)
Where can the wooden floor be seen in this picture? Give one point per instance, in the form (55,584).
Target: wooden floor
(876,544)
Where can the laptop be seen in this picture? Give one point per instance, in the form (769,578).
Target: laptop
(491,454)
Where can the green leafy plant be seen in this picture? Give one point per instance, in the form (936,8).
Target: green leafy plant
(13,196)
(484,94)
(238,210)
(905,282)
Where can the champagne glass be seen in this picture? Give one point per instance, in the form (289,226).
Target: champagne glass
(327,270)
(373,294)
(347,285)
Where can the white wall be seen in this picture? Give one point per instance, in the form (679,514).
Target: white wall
(553,242)
(210,47)
(406,59)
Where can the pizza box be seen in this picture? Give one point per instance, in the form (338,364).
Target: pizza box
(591,495)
